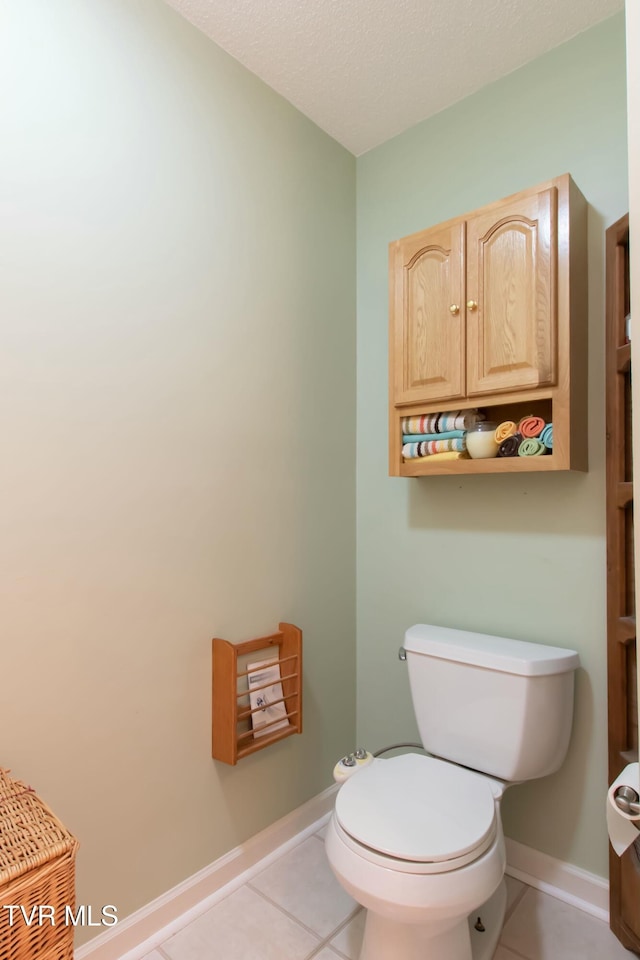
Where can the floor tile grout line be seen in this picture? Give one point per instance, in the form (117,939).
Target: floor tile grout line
(517,900)
(514,906)
(282,910)
(515,953)
(327,941)
(318,950)
(339,953)
(345,923)
(300,922)
(327,946)
(324,942)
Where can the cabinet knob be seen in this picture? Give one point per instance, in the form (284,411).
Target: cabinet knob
(472,305)
(454,308)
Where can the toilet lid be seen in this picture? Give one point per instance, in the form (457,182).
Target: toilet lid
(417,808)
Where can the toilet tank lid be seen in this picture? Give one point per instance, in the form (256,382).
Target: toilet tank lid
(496,653)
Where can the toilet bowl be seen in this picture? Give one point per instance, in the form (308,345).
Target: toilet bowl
(417,840)
(419,843)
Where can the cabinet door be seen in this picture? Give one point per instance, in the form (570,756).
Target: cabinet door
(511,295)
(427,315)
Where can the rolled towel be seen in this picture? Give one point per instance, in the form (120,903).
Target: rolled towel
(547,436)
(531,427)
(412,450)
(509,446)
(441,422)
(506,429)
(531,447)
(420,437)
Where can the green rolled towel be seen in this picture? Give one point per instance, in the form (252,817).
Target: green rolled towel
(531,447)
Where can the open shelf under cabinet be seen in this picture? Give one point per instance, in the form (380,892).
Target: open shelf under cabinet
(542,405)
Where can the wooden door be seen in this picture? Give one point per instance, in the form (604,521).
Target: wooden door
(427,315)
(624,872)
(511,295)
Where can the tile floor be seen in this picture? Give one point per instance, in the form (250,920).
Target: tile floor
(294,909)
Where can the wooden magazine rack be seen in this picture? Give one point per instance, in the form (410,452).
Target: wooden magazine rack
(233,736)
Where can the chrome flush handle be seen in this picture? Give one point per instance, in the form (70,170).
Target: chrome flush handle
(627,800)
(402,654)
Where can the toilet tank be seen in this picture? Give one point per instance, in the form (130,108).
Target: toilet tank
(503,707)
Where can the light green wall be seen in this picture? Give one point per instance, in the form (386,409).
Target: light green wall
(177,247)
(520,556)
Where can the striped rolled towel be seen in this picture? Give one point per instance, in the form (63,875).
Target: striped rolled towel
(509,446)
(419,437)
(531,427)
(506,429)
(412,450)
(531,447)
(547,436)
(441,422)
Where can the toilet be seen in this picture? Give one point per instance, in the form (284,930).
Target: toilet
(417,840)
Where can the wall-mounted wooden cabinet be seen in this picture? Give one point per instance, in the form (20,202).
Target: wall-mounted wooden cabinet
(489,311)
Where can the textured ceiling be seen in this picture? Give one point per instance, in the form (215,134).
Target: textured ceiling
(364,70)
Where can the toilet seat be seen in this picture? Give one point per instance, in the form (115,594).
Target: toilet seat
(412,866)
(417,814)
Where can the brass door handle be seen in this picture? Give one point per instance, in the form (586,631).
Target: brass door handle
(454,309)
(472,305)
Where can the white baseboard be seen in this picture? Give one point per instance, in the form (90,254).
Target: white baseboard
(154,923)
(150,926)
(581,889)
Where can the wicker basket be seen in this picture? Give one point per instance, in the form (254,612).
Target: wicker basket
(37,868)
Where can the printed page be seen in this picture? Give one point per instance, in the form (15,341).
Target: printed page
(266,672)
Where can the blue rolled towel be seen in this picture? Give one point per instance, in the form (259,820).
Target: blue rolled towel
(425,437)
(547,436)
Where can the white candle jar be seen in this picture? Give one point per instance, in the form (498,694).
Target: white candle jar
(481,440)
